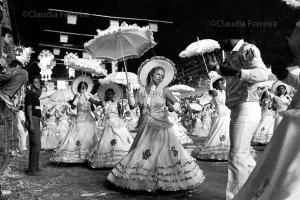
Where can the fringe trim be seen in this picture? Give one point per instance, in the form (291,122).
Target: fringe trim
(110,159)
(182,180)
(79,156)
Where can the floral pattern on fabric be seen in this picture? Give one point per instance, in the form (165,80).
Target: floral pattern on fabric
(146,154)
(222,138)
(113,142)
(174,151)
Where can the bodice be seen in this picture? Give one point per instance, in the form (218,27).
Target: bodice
(219,102)
(111,109)
(157,107)
(84,109)
(156,111)
(220,99)
(51,119)
(282,102)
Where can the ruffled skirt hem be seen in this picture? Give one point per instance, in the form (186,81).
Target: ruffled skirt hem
(104,160)
(173,178)
(214,153)
(79,156)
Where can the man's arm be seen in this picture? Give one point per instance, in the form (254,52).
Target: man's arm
(255,70)
(29,111)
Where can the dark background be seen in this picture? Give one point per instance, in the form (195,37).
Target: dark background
(192,18)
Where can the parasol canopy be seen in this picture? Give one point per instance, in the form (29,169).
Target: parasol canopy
(195,106)
(120,78)
(62,96)
(181,88)
(205,99)
(121,43)
(200,47)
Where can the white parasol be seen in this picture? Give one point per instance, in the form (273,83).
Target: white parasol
(121,43)
(199,48)
(120,78)
(205,99)
(195,106)
(62,96)
(181,88)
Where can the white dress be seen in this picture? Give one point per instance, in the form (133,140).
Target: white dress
(22,136)
(63,128)
(157,160)
(179,130)
(80,138)
(115,140)
(265,129)
(48,139)
(217,144)
(282,103)
(202,125)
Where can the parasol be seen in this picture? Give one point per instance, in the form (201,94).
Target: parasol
(120,78)
(121,43)
(181,88)
(94,66)
(205,99)
(199,48)
(62,96)
(195,106)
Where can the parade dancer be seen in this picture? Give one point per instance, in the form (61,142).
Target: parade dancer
(243,68)
(48,139)
(80,138)
(277,174)
(281,100)
(265,130)
(217,145)
(115,141)
(157,160)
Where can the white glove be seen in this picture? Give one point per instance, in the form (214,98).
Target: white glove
(75,102)
(210,86)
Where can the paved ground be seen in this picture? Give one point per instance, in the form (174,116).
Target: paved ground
(66,182)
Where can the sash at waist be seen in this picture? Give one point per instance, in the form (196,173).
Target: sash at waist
(162,122)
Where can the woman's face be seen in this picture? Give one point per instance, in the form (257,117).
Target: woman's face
(83,87)
(109,94)
(281,90)
(158,77)
(221,84)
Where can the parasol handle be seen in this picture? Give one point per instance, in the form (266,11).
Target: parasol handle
(203,59)
(125,66)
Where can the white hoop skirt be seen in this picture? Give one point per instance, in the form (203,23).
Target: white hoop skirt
(113,145)
(156,161)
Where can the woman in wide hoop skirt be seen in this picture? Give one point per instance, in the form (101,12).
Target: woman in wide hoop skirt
(156,160)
